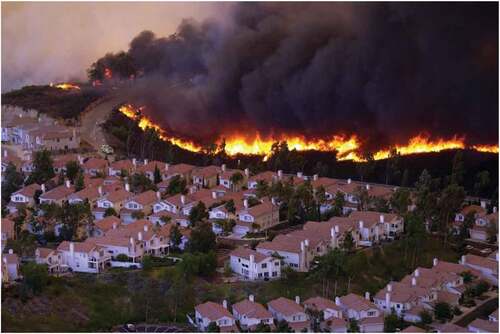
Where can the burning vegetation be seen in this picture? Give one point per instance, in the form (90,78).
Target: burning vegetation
(66,86)
(347,147)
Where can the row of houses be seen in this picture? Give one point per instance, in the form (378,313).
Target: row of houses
(298,249)
(482,221)
(335,315)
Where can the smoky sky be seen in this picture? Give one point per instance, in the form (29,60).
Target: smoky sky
(384,71)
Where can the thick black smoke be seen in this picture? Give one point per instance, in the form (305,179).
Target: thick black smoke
(384,71)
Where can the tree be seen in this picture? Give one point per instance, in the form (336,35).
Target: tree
(213,327)
(35,277)
(491,232)
(392,166)
(443,311)
(458,169)
(79,182)
(283,327)
(198,213)
(482,182)
(72,170)
(338,203)
(400,200)
(425,196)
(202,239)
(236,179)
(147,263)
(361,194)
(262,328)
(138,215)
(348,244)
(405,179)
(467,276)
(392,323)
(157,175)
(177,185)
(43,169)
(381,204)
(13,181)
(330,266)
(449,202)
(353,326)
(230,207)
(175,237)
(139,183)
(110,212)
(426,317)
(262,189)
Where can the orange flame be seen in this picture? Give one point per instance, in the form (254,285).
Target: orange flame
(66,86)
(108,74)
(346,147)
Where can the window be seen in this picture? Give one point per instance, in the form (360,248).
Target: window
(275,273)
(264,265)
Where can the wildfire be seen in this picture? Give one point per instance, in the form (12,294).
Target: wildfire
(65,86)
(346,146)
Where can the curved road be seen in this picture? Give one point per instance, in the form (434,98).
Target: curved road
(90,121)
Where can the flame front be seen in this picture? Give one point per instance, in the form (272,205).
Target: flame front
(346,146)
(66,86)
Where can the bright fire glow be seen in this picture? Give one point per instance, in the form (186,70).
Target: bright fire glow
(108,74)
(65,86)
(347,147)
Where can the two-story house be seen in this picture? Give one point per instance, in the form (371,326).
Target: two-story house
(250,314)
(290,311)
(23,197)
(83,256)
(253,265)
(211,312)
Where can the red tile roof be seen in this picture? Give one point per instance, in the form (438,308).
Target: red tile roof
(285,306)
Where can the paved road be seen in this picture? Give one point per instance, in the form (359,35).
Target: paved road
(90,129)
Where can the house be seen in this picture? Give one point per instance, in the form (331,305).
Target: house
(10,267)
(8,231)
(23,197)
(487,266)
(57,195)
(149,167)
(104,225)
(183,170)
(54,138)
(256,218)
(125,167)
(483,326)
(401,297)
(479,232)
(332,318)
(369,317)
(90,194)
(493,316)
(113,199)
(211,312)
(84,256)
(49,257)
(253,265)
(206,177)
(226,178)
(250,314)
(142,202)
(378,224)
(477,210)
(95,166)
(60,161)
(290,311)
(120,245)
(266,177)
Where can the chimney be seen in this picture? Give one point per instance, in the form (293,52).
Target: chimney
(349,181)
(302,246)
(223,167)
(71,248)
(496,256)
(306,242)
(158,195)
(280,174)
(247,172)
(145,227)
(99,190)
(337,229)
(367,186)
(166,167)
(299,174)
(114,226)
(214,195)
(11,251)
(224,304)
(417,272)
(367,295)
(139,236)
(361,224)
(132,241)
(146,161)
(483,204)
(434,262)
(134,161)
(389,287)
(414,281)
(252,260)
(494,209)
(462,259)
(68,184)
(332,232)
(127,187)
(251,298)
(80,159)
(183,199)
(388,300)
(315,177)
(43,187)
(245,203)
(382,218)
(297,299)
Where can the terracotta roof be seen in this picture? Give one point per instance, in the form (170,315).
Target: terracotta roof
(180,169)
(60,161)
(106,224)
(80,247)
(485,325)
(59,192)
(413,329)
(118,195)
(120,241)
(285,306)
(212,311)
(226,175)
(473,208)
(483,262)
(266,176)
(8,226)
(325,182)
(260,209)
(252,310)
(28,191)
(404,293)
(321,304)
(145,198)
(356,302)
(371,218)
(11,258)
(451,328)
(206,172)
(245,253)
(150,166)
(95,163)
(372,321)
(45,252)
(90,193)
(125,164)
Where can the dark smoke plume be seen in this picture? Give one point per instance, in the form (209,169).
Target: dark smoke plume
(383,71)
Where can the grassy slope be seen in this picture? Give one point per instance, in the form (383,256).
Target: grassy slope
(87,303)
